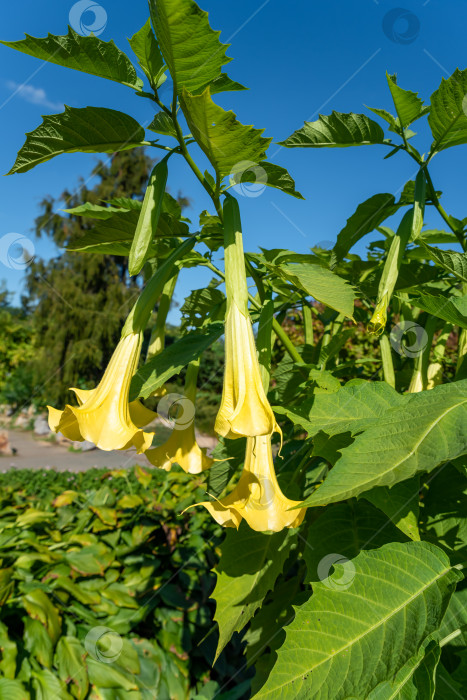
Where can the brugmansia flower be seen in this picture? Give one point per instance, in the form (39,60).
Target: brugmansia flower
(181,447)
(105,416)
(244,409)
(257,496)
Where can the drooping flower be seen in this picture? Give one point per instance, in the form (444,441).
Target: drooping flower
(257,497)
(377,323)
(244,409)
(105,416)
(181,447)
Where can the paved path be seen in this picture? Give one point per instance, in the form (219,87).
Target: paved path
(34,453)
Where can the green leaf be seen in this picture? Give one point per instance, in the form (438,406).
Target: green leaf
(12,690)
(145,46)
(69,659)
(38,642)
(446,687)
(149,217)
(445,512)
(338,130)
(248,568)
(425,431)
(321,284)
(448,118)
(94,211)
(350,409)
(48,687)
(387,116)
(88,54)
(39,607)
(416,679)
(170,361)
(449,260)
(409,106)
(341,533)
(400,503)
(162,124)
(455,620)
(200,304)
(263,173)
(115,235)
(330,647)
(449,308)
(87,130)
(191,49)
(369,215)
(221,84)
(225,141)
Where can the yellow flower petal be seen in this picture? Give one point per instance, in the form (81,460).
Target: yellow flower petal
(244,409)
(104,416)
(181,448)
(257,496)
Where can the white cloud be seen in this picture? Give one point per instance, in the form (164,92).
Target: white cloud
(34,95)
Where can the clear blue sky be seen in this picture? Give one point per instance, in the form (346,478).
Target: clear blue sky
(298,58)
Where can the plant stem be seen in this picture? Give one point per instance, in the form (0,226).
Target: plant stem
(279,331)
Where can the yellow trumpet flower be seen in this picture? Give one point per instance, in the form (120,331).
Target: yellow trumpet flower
(105,416)
(257,496)
(181,447)
(244,409)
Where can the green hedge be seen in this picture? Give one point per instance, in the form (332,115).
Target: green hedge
(104,588)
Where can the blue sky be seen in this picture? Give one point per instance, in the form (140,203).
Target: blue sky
(298,58)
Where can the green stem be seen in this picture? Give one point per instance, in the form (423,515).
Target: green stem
(442,212)
(279,331)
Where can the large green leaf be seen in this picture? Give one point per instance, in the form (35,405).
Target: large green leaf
(445,512)
(48,687)
(449,260)
(369,215)
(336,130)
(170,361)
(190,47)
(145,46)
(69,659)
(425,431)
(352,408)
(448,117)
(449,308)
(248,568)
(40,608)
(265,173)
(348,639)
(409,106)
(321,284)
(340,533)
(400,503)
(415,680)
(87,130)
(225,141)
(12,690)
(84,53)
